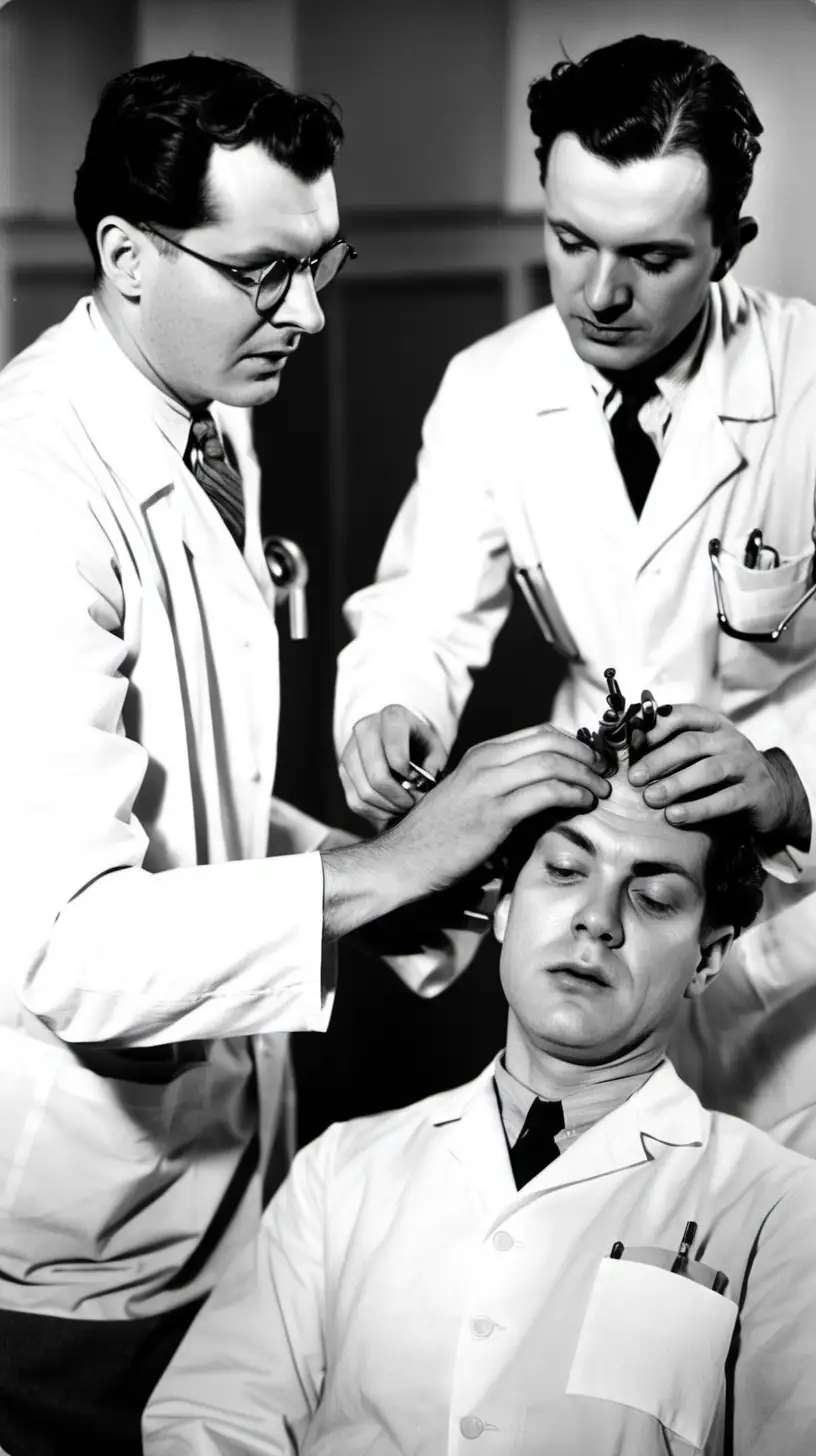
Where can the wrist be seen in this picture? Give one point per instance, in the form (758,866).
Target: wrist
(364,881)
(794,825)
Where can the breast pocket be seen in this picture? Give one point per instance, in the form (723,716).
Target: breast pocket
(657,1342)
(759,601)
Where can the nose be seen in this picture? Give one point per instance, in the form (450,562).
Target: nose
(300,308)
(599,916)
(607,291)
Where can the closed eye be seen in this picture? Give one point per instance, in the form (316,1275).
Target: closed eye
(652,906)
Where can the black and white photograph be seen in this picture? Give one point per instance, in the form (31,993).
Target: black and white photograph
(408,622)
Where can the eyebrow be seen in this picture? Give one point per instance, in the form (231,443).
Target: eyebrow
(662,245)
(642,868)
(262,257)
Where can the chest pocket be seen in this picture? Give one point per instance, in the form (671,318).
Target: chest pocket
(757,601)
(657,1342)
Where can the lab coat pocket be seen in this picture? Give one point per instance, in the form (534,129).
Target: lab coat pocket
(655,1341)
(758,601)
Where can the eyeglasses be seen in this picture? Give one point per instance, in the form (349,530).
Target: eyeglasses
(722,618)
(271,284)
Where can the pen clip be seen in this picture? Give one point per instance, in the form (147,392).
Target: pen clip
(753,546)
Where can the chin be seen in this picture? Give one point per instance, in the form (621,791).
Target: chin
(247,393)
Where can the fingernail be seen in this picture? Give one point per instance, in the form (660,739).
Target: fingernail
(664,710)
(677,814)
(655,794)
(637,776)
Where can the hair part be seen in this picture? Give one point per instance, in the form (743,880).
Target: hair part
(150,142)
(642,98)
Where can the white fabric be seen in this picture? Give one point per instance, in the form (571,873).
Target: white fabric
(517,469)
(146,936)
(406,1300)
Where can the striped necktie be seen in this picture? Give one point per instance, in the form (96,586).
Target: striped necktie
(206,457)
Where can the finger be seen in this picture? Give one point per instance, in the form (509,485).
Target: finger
(395,734)
(684,717)
(543,738)
(389,799)
(552,795)
(356,804)
(547,767)
(689,748)
(703,777)
(376,770)
(731,800)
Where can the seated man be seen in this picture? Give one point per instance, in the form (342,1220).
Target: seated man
(568,1255)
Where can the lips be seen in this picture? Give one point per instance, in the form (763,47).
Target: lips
(582,972)
(614,330)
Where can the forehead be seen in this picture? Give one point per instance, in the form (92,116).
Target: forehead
(660,198)
(260,203)
(623,831)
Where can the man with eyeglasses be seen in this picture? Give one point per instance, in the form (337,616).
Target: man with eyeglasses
(167,917)
(641,456)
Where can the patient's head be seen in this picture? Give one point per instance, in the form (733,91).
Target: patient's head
(610,918)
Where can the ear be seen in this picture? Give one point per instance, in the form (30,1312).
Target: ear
(735,240)
(121,251)
(713,950)
(500,915)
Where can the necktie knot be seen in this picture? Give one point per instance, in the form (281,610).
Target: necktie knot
(536,1145)
(206,457)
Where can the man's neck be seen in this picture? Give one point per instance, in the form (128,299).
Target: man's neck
(116,324)
(552,1077)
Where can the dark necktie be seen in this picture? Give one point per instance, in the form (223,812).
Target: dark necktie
(206,457)
(536,1145)
(635,452)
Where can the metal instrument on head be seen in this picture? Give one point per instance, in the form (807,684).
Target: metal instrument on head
(621,729)
(289,571)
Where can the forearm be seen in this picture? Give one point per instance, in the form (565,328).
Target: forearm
(365,881)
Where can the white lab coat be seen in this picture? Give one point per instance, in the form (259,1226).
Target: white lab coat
(159,932)
(517,468)
(406,1300)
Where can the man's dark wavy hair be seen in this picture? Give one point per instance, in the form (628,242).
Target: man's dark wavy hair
(733,875)
(150,141)
(643,98)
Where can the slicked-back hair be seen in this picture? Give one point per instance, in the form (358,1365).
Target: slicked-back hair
(642,98)
(150,141)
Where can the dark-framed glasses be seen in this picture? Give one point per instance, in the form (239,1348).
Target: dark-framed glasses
(271,283)
(722,615)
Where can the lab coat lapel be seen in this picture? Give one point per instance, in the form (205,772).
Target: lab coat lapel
(563,454)
(705,443)
(471,1126)
(664,1110)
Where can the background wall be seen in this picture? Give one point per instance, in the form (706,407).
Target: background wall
(438,192)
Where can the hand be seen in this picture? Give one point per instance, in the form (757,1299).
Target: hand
(700,767)
(378,750)
(459,824)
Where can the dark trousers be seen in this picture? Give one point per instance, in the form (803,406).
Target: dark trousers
(73,1385)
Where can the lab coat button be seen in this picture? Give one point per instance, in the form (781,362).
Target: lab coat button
(471,1427)
(481,1328)
(503,1241)
(256,777)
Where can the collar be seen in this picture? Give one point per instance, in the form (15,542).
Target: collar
(548,375)
(583,1105)
(171,417)
(663,1108)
